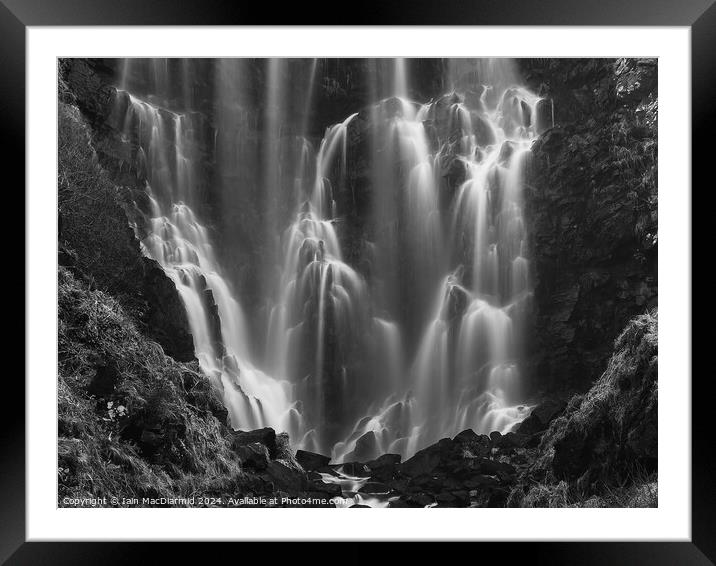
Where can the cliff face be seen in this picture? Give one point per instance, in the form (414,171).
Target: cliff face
(591,205)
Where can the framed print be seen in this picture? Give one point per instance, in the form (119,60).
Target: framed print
(434,259)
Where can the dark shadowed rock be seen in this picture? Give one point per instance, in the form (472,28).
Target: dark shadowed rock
(445,499)
(384,467)
(423,462)
(426,460)
(541,416)
(284,478)
(311,460)
(356,469)
(330,489)
(493,467)
(366,448)
(420,500)
(265,436)
(254,455)
(473,444)
(284,453)
(513,440)
(374,487)
(466,436)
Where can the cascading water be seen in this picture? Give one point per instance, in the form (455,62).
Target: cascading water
(349,361)
(171,234)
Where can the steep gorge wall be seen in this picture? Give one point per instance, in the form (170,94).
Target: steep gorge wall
(591,202)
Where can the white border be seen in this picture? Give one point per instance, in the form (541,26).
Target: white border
(671,521)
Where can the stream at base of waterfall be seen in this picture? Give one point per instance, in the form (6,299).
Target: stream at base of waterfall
(355,363)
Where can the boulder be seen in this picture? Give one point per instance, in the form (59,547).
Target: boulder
(355,469)
(366,448)
(284,478)
(466,436)
(330,489)
(541,416)
(473,444)
(254,455)
(374,487)
(385,467)
(284,453)
(423,462)
(265,436)
(311,460)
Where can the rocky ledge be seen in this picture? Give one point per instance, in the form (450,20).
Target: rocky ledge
(470,470)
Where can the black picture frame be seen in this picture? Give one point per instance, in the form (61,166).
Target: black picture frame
(698,15)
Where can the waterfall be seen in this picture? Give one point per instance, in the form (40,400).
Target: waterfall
(171,233)
(351,361)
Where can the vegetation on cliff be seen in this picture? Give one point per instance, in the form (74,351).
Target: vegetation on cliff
(602,451)
(96,241)
(132,421)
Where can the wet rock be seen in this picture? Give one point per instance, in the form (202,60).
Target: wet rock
(506,151)
(456,304)
(484,134)
(265,436)
(473,99)
(355,469)
(366,448)
(166,320)
(374,487)
(311,460)
(544,110)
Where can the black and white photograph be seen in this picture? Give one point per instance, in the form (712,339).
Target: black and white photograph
(357,282)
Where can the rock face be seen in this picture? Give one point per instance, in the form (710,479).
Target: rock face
(591,205)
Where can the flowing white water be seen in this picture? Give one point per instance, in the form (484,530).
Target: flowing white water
(172,235)
(465,372)
(351,365)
